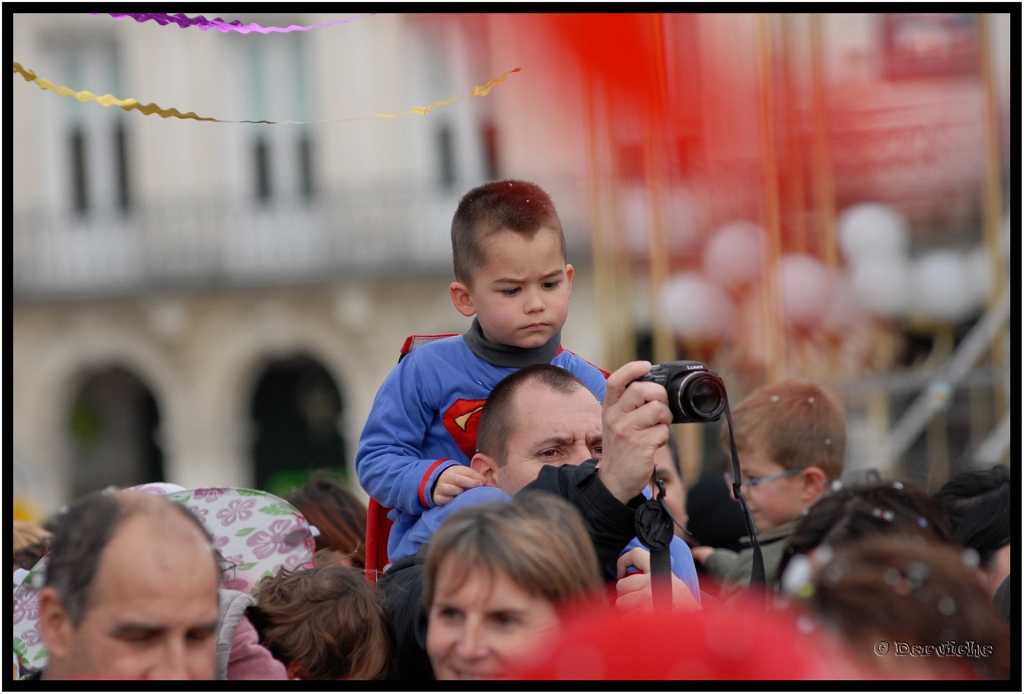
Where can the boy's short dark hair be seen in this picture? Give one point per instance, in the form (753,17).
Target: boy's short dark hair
(795,424)
(514,205)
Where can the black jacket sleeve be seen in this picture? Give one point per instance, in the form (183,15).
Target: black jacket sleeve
(610,522)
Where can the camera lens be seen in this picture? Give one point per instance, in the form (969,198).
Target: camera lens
(705,397)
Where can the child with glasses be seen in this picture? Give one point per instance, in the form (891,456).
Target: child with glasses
(791,439)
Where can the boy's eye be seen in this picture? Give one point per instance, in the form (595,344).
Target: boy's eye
(510,292)
(550,285)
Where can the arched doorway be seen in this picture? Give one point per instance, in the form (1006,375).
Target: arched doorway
(296,411)
(114,421)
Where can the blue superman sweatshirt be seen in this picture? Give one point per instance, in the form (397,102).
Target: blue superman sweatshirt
(425,416)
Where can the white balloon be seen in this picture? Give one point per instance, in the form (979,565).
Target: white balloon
(843,311)
(942,288)
(870,230)
(683,216)
(733,254)
(697,307)
(979,274)
(882,286)
(1006,237)
(634,212)
(806,288)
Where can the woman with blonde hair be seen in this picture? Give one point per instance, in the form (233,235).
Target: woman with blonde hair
(499,578)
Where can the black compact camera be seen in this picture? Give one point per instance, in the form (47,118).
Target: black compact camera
(695,393)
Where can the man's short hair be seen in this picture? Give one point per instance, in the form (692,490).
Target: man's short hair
(498,418)
(795,424)
(513,205)
(328,620)
(82,533)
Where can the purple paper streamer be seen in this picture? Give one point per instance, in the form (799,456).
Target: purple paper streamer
(219,24)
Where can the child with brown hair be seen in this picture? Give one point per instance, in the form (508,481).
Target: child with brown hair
(511,274)
(324,623)
(791,440)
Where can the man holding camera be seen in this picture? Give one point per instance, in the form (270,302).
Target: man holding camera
(543,430)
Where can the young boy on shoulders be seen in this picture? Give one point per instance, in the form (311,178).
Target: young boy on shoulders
(512,275)
(791,440)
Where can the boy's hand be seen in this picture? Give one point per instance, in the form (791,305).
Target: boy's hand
(454,481)
(701,554)
(634,589)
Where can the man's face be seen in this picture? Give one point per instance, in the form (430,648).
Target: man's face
(521,294)
(153,611)
(551,428)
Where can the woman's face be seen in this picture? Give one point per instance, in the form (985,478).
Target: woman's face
(485,627)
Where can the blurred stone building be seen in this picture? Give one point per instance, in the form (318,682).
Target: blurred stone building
(217,304)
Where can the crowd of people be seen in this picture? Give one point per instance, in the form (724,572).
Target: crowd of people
(515,474)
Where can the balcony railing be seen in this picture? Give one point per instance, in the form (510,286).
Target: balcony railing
(212,243)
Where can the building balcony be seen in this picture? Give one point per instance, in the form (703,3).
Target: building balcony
(212,242)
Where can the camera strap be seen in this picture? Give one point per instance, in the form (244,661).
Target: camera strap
(757,593)
(654,530)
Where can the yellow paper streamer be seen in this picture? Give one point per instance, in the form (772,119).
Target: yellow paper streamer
(150,109)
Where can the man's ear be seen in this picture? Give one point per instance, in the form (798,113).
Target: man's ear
(814,483)
(486,466)
(569,271)
(461,298)
(55,624)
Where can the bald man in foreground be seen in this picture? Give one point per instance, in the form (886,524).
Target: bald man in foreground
(131,592)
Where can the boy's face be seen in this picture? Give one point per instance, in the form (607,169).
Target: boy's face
(776,502)
(520,294)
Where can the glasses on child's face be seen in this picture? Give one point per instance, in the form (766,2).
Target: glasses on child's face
(758,481)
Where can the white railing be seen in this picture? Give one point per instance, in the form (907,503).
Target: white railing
(213,242)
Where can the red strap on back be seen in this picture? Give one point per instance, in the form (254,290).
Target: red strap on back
(378,529)
(414,341)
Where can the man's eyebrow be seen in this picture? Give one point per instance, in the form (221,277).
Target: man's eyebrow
(130,627)
(555,441)
(595,439)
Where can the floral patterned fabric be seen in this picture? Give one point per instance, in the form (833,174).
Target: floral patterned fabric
(257,534)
